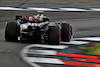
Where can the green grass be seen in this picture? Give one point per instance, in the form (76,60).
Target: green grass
(93,51)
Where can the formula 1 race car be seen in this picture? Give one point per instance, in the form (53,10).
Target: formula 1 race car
(37,28)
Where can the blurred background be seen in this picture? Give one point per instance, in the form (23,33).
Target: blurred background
(92,2)
(84,16)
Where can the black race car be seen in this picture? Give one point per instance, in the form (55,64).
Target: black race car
(37,28)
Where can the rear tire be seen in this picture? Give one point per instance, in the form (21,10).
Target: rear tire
(53,35)
(11,31)
(66,32)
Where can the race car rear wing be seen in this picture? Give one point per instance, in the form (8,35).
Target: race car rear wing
(18,17)
(31,18)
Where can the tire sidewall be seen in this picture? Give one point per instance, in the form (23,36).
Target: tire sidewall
(11,31)
(66,32)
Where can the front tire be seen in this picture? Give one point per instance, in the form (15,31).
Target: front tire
(11,31)
(66,32)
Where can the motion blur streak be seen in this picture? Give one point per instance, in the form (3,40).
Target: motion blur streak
(77,55)
(88,60)
(81,64)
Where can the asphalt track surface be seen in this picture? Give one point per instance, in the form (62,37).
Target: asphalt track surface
(85,24)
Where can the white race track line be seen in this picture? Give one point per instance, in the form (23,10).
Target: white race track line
(48,9)
(95,9)
(72,9)
(75,42)
(42,52)
(44,60)
(10,8)
(24,57)
(31,60)
(49,46)
(42,9)
(88,38)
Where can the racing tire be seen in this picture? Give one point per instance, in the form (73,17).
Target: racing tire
(66,32)
(11,31)
(53,35)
